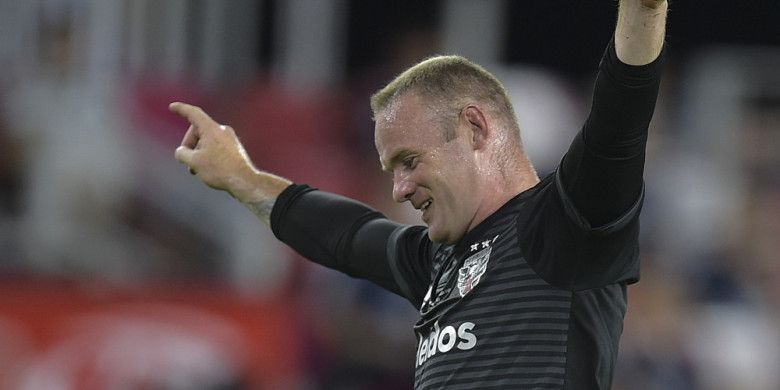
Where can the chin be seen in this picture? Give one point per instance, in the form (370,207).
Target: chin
(435,235)
(440,237)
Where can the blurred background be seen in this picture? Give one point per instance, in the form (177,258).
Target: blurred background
(118,270)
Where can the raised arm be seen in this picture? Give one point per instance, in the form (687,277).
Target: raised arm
(214,153)
(602,171)
(640,31)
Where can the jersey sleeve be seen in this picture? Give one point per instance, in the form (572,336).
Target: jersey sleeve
(348,236)
(601,173)
(597,192)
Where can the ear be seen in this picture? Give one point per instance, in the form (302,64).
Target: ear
(476,120)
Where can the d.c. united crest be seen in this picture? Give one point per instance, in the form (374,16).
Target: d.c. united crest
(473,269)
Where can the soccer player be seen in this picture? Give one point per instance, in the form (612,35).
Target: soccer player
(520,282)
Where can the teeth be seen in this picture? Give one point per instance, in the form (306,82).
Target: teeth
(425,205)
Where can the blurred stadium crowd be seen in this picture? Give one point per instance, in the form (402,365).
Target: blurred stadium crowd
(119,270)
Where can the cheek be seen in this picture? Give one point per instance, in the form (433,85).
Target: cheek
(452,171)
(454,200)
(460,182)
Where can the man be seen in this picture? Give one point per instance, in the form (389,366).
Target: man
(521,282)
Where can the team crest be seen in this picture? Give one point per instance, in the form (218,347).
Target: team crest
(473,269)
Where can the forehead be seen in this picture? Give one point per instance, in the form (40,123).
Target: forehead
(406,124)
(407,107)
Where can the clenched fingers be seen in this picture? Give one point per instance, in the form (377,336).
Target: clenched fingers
(191,137)
(185,154)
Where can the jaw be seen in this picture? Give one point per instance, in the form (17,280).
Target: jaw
(435,236)
(440,231)
(450,214)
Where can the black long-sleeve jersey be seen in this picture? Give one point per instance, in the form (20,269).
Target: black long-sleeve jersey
(533,297)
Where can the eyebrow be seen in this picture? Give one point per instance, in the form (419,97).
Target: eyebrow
(399,156)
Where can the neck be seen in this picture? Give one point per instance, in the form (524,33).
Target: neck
(503,188)
(526,178)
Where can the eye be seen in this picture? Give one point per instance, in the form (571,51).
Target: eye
(410,162)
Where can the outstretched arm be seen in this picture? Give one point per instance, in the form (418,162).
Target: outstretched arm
(328,229)
(214,153)
(640,31)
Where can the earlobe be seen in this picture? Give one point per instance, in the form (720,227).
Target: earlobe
(477,122)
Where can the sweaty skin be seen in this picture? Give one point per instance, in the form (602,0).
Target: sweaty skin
(457,182)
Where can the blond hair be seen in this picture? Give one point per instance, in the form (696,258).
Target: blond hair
(449,83)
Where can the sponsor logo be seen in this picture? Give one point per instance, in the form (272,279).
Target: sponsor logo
(443,340)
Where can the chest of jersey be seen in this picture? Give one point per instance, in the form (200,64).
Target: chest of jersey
(489,320)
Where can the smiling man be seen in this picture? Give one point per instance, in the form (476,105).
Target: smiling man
(520,282)
(447,132)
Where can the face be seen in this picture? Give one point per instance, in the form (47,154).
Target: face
(437,177)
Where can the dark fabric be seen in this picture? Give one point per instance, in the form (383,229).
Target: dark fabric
(602,171)
(336,232)
(553,262)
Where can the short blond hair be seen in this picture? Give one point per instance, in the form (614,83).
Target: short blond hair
(449,83)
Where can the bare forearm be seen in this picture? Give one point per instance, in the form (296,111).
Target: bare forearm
(259,193)
(640,31)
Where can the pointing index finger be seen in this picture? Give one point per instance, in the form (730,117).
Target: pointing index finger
(193,114)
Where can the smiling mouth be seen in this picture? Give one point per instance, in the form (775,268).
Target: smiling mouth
(424,209)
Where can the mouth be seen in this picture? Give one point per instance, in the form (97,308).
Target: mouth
(424,208)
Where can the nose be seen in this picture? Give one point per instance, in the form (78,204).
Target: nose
(403,189)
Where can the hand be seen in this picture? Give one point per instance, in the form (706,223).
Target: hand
(212,151)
